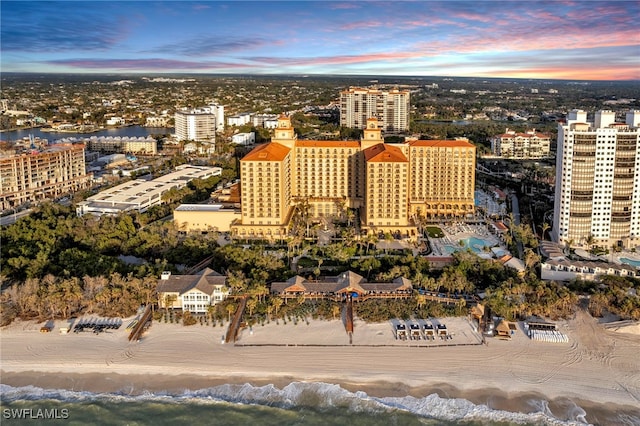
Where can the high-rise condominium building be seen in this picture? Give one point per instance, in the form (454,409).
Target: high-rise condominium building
(597,180)
(40,175)
(200,124)
(391,108)
(389,183)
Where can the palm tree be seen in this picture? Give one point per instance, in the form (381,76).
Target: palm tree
(237,281)
(590,240)
(251,305)
(230,308)
(545,227)
(169,299)
(277,303)
(530,258)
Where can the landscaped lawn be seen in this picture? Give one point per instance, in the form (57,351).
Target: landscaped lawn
(434,232)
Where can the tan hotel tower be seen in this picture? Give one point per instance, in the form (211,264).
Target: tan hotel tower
(389,183)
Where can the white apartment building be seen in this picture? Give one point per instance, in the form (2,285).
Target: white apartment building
(268,121)
(598,180)
(528,145)
(248,138)
(239,119)
(390,108)
(200,124)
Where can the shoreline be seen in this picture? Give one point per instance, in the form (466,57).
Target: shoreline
(134,385)
(598,370)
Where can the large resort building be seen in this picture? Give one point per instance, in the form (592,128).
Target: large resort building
(391,108)
(389,184)
(597,179)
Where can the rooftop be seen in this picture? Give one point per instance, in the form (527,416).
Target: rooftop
(384,153)
(271,151)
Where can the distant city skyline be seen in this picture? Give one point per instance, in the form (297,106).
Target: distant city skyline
(574,40)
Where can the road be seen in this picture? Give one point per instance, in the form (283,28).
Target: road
(11,219)
(515,208)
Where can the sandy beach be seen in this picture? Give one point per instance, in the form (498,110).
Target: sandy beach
(598,367)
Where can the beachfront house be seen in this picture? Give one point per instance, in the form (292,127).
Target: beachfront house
(192,293)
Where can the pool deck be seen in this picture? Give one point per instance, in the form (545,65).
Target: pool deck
(460,231)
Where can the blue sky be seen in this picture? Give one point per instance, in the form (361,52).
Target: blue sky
(526,39)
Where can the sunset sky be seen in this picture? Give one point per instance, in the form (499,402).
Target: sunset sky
(577,40)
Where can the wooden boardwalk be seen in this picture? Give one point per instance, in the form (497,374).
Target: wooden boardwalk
(234,327)
(349,319)
(141,325)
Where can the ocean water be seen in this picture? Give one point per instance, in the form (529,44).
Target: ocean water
(295,404)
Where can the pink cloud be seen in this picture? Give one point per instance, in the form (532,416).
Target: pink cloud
(594,73)
(343,6)
(361,24)
(470,16)
(333,60)
(145,64)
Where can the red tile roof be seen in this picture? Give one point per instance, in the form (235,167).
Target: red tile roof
(271,151)
(384,153)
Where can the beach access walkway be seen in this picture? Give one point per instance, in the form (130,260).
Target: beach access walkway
(142,324)
(234,327)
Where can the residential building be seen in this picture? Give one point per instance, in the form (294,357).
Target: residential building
(239,119)
(140,194)
(248,138)
(569,270)
(192,293)
(391,108)
(134,145)
(42,174)
(387,183)
(115,121)
(521,146)
(200,124)
(265,120)
(597,201)
(157,121)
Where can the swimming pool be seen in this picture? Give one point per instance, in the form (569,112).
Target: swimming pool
(474,243)
(631,262)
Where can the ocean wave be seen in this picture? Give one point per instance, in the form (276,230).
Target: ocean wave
(316,395)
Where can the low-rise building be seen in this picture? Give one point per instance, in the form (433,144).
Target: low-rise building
(528,145)
(567,270)
(116,144)
(141,194)
(239,119)
(192,293)
(346,285)
(205,217)
(248,138)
